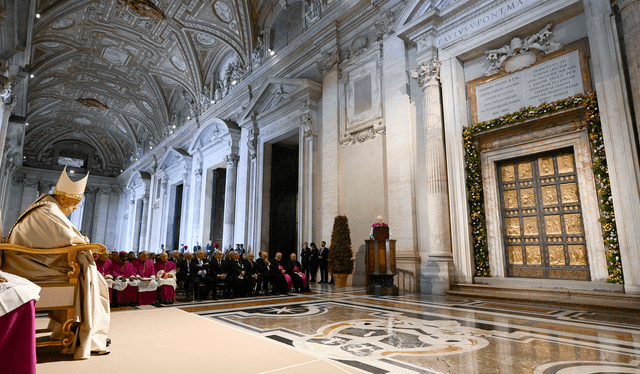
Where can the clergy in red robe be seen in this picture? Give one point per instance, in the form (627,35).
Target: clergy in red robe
(125,282)
(104,265)
(146,274)
(166,275)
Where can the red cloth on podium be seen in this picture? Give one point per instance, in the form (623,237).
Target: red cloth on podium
(18,340)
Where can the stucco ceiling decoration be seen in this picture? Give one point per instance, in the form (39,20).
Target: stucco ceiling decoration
(135,59)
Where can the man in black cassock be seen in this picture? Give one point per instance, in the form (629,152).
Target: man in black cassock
(278,269)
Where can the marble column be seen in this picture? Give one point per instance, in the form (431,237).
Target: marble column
(618,134)
(230,199)
(330,150)
(629,18)
(399,143)
(308,182)
(29,193)
(142,240)
(131,224)
(196,230)
(437,261)
(112,218)
(101,213)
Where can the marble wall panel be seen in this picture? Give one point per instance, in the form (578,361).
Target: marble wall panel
(363,186)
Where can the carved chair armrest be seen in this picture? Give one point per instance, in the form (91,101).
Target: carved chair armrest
(71,251)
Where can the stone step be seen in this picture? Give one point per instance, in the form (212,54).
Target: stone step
(558,296)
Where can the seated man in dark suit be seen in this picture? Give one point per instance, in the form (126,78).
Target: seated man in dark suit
(262,268)
(252,272)
(236,275)
(217,270)
(184,269)
(199,272)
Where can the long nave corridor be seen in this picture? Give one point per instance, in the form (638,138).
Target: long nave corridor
(333,330)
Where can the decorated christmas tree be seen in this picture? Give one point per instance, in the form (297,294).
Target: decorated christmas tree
(340,252)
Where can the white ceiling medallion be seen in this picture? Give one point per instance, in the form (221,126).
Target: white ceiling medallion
(147,106)
(50,44)
(178,63)
(205,39)
(223,11)
(82,121)
(62,24)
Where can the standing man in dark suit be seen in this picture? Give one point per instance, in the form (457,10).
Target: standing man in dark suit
(305,257)
(323,262)
(313,262)
(209,248)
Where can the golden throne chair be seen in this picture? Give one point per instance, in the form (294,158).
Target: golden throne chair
(59,292)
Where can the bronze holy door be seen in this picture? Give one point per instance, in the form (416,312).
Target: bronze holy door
(542,217)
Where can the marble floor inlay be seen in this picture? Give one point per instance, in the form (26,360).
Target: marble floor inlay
(430,334)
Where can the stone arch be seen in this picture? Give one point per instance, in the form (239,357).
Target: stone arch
(217,129)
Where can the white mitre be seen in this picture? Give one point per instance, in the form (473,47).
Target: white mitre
(66,187)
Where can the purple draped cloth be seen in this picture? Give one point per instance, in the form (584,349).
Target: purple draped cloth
(18,340)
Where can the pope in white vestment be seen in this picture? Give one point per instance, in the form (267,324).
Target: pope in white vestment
(45,225)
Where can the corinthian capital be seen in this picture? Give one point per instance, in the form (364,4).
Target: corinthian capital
(307,125)
(232,160)
(428,73)
(328,60)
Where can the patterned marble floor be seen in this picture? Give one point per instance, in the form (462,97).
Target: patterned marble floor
(429,334)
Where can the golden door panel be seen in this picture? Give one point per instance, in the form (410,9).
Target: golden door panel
(530,225)
(542,217)
(527,197)
(511,199)
(549,195)
(565,164)
(573,223)
(552,225)
(556,255)
(513,226)
(533,255)
(508,173)
(569,192)
(515,255)
(578,255)
(524,170)
(545,166)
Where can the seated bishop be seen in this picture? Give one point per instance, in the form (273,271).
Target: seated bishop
(45,225)
(146,274)
(104,265)
(125,283)
(166,275)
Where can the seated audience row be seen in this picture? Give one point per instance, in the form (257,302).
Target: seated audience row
(143,281)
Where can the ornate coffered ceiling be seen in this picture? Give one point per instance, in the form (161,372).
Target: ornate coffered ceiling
(115,75)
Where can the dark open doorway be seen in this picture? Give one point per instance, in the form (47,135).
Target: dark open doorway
(177,215)
(217,206)
(284,195)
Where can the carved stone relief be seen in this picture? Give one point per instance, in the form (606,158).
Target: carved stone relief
(520,53)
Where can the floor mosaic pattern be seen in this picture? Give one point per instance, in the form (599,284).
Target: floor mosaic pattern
(429,334)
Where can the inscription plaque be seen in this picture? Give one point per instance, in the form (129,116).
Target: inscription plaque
(549,81)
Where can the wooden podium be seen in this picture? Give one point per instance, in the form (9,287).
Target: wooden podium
(380,265)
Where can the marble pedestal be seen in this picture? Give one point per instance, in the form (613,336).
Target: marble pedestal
(435,274)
